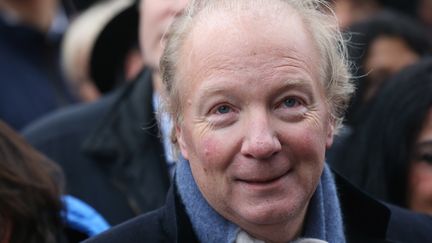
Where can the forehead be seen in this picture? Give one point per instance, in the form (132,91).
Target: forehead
(230,41)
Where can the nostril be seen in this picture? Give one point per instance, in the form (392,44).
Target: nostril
(261,148)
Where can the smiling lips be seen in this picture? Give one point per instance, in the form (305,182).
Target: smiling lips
(263,181)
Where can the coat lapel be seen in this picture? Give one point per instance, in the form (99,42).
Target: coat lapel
(365,219)
(127,147)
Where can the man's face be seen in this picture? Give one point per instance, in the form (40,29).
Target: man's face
(155,18)
(255,122)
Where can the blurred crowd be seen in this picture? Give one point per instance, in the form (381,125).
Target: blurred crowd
(84,146)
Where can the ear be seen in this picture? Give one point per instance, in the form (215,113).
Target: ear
(330,133)
(181,142)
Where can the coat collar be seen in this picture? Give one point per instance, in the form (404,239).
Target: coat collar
(127,147)
(130,120)
(365,219)
(176,224)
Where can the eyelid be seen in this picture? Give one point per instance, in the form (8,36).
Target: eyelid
(213,109)
(218,119)
(298,98)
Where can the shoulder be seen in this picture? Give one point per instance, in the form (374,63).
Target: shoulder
(408,226)
(169,223)
(365,218)
(145,228)
(81,119)
(67,122)
(152,227)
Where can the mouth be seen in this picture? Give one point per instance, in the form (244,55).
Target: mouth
(264,180)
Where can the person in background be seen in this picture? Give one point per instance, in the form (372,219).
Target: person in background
(379,47)
(424,14)
(256,90)
(74,7)
(30,77)
(353,11)
(115,155)
(98,51)
(30,188)
(32,206)
(390,152)
(407,7)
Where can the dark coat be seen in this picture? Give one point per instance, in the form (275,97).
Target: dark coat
(30,76)
(110,151)
(365,219)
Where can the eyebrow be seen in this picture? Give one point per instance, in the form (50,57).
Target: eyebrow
(303,85)
(289,84)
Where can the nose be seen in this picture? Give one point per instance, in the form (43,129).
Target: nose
(261,140)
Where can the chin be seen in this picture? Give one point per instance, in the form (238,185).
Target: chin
(273,213)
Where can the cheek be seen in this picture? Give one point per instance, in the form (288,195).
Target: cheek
(310,155)
(306,152)
(211,152)
(209,149)
(421,178)
(209,162)
(420,188)
(308,142)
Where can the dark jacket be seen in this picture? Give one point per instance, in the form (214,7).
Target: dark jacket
(110,151)
(365,220)
(30,74)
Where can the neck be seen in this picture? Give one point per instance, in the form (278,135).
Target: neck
(35,13)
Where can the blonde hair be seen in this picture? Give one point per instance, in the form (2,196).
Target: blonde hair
(319,20)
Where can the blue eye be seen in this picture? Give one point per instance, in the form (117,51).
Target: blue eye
(290,102)
(223,109)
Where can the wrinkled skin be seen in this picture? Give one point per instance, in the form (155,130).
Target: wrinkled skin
(255,119)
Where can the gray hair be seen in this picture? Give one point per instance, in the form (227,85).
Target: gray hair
(320,21)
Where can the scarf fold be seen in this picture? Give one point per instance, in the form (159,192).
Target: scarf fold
(323,220)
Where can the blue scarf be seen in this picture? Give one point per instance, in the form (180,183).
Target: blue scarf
(323,219)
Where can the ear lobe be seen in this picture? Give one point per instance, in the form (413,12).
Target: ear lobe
(181,142)
(330,134)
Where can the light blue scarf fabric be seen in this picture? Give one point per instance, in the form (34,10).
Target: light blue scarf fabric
(323,220)
(324,216)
